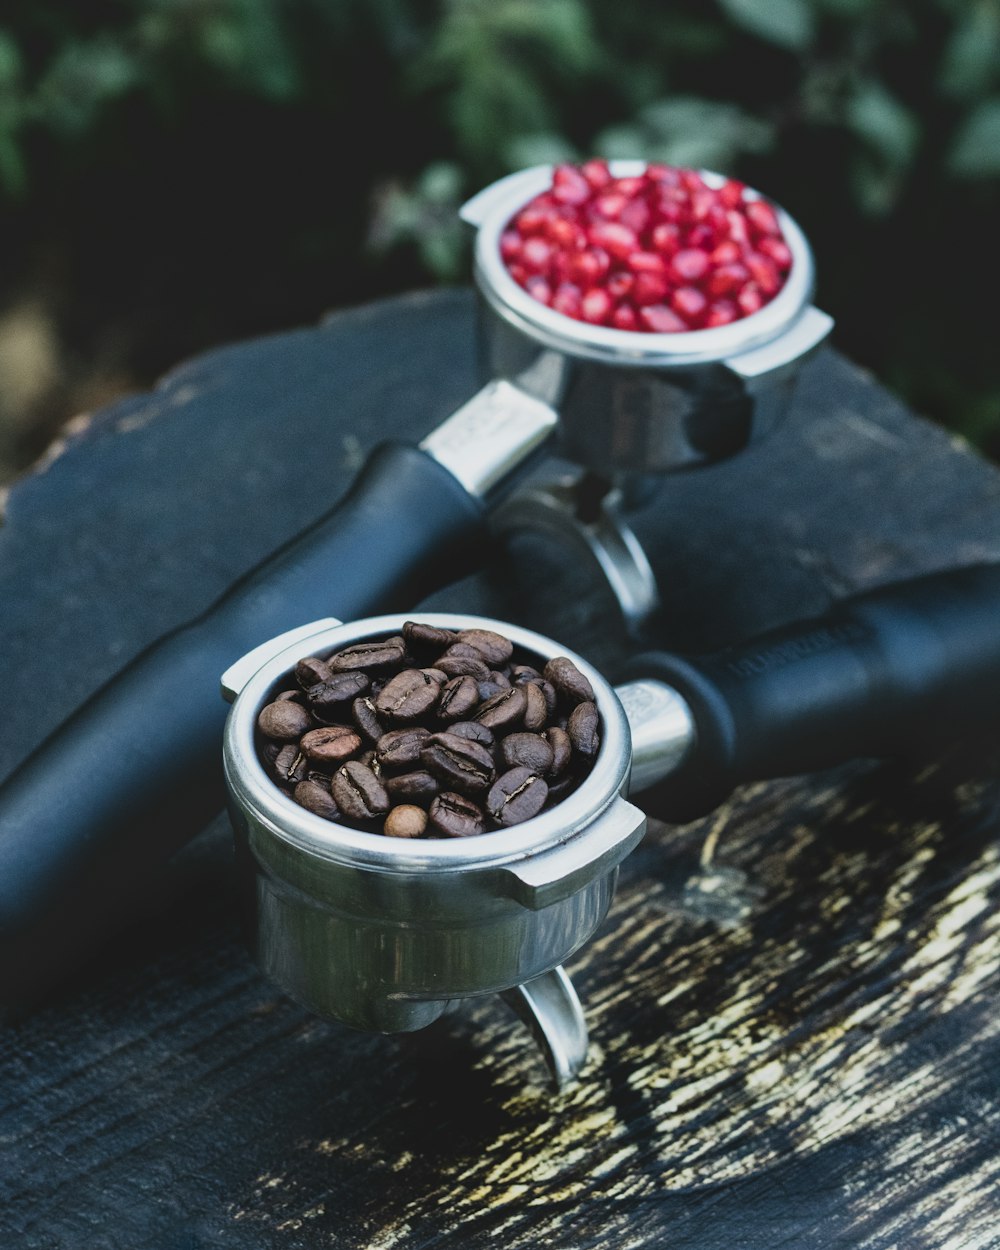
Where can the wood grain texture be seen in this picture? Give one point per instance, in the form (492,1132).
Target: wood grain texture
(796,1044)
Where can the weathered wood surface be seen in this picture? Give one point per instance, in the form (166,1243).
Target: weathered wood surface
(797,1046)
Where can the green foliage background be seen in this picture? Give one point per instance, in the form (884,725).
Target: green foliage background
(178,172)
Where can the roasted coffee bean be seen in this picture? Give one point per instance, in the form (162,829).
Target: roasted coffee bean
(463,666)
(320,776)
(417,787)
(570,683)
(316,798)
(296,696)
(327,698)
(474,732)
(535,712)
(549,694)
(427,637)
(358,793)
(459,696)
(368,655)
(454,816)
(487,689)
(583,730)
(503,710)
(284,720)
(370,760)
(409,695)
(516,796)
(528,751)
(561,787)
(331,744)
(311,671)
(494,648)
(401,747)
(366,718)
(270,751)
(291,765)
(458,763)
(405,821)
(435,675)
(520,673)
(562,749)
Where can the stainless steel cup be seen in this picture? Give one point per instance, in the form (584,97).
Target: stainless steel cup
(382,934)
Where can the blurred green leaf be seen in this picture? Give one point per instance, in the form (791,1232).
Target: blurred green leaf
(10,62)
(787,23)
(971,62)
(685,130)
(883,122)
(545,148)
(975,152)
(82,78)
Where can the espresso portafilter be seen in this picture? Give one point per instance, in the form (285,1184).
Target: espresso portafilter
(631,406)
(384,934)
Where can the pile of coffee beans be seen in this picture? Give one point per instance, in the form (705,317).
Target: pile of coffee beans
(432,733)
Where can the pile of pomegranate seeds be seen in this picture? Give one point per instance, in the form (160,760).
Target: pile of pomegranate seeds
(661,252)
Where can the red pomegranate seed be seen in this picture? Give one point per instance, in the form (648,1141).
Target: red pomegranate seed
(660,319)
(624,318)
(569,186)
(661,252)
(597,174)
(596,306)
(616,239)
(690,264)
(726,279)
(749,300)
(762,217)
(721,313)
(689,303)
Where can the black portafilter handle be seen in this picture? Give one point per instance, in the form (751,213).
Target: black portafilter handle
(905,668)
(137,770)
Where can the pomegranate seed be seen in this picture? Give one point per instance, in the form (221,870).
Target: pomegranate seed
(596,306)
(689,303)
(762,217)
(661,252)
(749,299)
(616,239)
(764,272)
(721,313)
(538,288)
(690,264)
(597,174)
(726,279)
(776,250)
(649,288)
(510,245)
(660,319)
(624,318)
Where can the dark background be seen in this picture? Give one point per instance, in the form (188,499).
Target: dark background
(179,173)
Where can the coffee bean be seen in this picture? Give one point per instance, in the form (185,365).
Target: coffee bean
(427,637)
(487,689)
(436,676)
(473,731)
(535,711)
(368,655)
(494,648)
(400,747)
(458,763)
(463,665)
(562,748)
(366,718)
(528,751)
(549,694)
(500,679)
(326,699)
(520,673)
(296,696)
(284,720)
(291,765)
(503,710)
(405,821)
(316,798)
(311,671)
(517,796)
(358,793)
(459,696)
(416,787)
(582,728)
(455,816)
(331,744)
(570,683)
(409,695)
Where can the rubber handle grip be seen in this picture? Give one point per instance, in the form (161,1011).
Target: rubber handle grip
(137,770)
(907,667)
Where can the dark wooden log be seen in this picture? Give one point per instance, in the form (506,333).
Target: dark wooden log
(792,1003)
